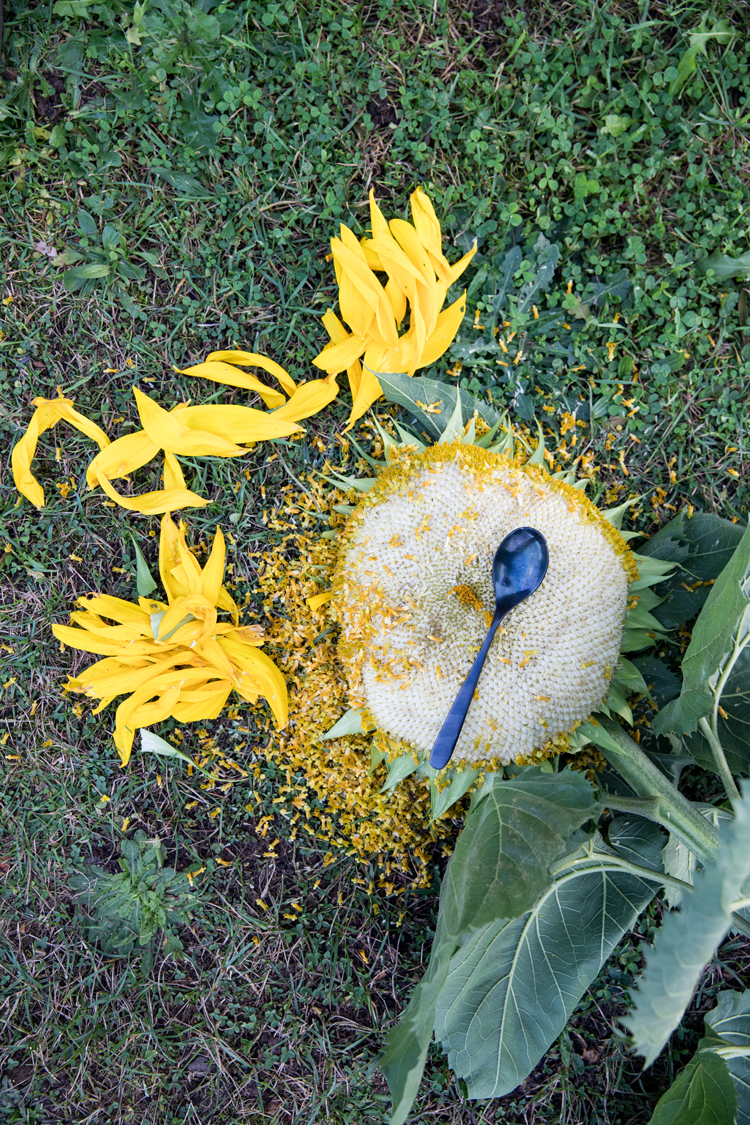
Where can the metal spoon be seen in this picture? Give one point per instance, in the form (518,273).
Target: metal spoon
(518,569)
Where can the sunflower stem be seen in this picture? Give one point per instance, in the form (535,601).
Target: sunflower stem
(722,765)
(673,811)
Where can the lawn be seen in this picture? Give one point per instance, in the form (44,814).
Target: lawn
(171,177)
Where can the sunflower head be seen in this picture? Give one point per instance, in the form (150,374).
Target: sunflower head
(416,599)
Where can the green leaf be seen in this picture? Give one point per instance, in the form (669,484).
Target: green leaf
(183,184)
(350,723)
(730,1019)
(662,685)
(75,8)
(153,744)
(87,223)
(111,237)
(442,799)
(144,582)
(406,1048)
(701,546)
(615,124)
(725,267)
(502,862)
(513,985)
(398,769)
(91,269)
(687,940)
(721,630)
(702,1094)
(407,392)
(547,257)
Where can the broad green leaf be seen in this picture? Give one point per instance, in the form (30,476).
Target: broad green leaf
(702,1094)
(502,861)
(721,31)
(406,1048)
(662,685)
(638,840)
(440,397)
(513,986)
(144,582)
(111,237)
(734,730)
(701,546)
(87,223)
(680,862)
(725,267)
(350,723)
(721,630)
(731,1020)
(547,257)
(92,269)
(687,940)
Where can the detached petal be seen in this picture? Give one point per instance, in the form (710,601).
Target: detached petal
(47,414)
(448,324)
(364,395)
(153,503)
(336,357)
(238,423)
(170,433)
(223,373)
(212,575)
(261,675)
(122,457)
(254,359)
(309,398)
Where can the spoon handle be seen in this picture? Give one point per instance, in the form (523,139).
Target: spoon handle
(445,743)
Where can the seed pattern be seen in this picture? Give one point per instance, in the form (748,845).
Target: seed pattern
(415,593)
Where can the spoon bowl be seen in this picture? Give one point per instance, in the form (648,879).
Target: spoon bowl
(518,569)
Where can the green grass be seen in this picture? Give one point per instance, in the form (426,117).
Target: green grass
(223,149)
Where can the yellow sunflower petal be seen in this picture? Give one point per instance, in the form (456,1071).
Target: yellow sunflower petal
(337,357)
(232,376)
(173,477)
(153,503)
(253,359)
(212,575)
(170,433)
(48,413)
(239,423)
(122,457)
(308,399)
(448,324)
(262,675)
(367,391)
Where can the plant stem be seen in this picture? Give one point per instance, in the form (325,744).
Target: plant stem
(722,765)
(673,811)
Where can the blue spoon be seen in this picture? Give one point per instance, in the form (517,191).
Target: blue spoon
(518,569)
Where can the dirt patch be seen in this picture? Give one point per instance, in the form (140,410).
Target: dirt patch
(48,105)
(383,112)
(488,15)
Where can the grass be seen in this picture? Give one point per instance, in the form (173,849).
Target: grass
(222,145)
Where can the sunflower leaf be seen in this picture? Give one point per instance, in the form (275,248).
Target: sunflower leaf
(702,1094)
(545,959)
(438,401)
(501,864)
(719,637)
(687,940)
(730,1019)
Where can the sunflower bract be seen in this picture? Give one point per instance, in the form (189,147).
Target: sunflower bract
(415,598)
(174,658)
